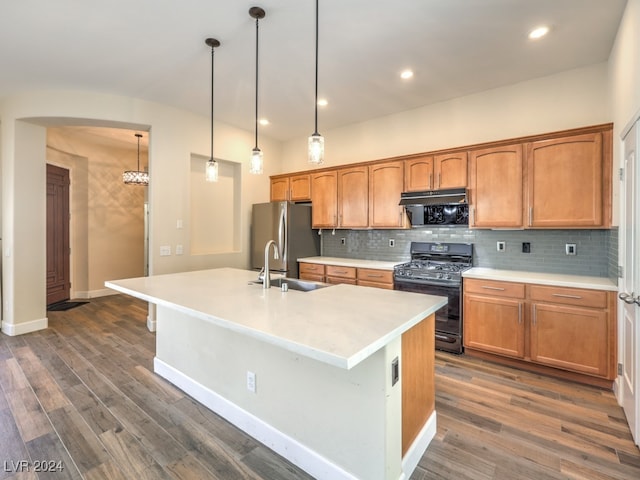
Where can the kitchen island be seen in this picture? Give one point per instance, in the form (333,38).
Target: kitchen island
(338,380)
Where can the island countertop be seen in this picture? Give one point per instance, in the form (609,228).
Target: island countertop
(340,325)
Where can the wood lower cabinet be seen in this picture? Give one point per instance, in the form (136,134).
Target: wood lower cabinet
(336,274)
(373,277)
(311,271)
(494,317)
(568,332)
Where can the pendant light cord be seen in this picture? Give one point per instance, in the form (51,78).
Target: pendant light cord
(212,53)
(316,104)
(257,21)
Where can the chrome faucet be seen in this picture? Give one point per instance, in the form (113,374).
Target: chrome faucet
(266,282)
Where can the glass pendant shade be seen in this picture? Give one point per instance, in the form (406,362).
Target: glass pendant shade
(211,171)
(316,149)
(256,161)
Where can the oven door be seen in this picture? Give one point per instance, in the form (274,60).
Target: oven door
(448,318)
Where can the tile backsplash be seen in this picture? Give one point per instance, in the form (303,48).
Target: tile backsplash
(596,250)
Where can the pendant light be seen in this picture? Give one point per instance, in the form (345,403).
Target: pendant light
(211,170)
(316,141)
(136,177)
(256,153)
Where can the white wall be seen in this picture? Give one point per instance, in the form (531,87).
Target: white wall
(571,99)
(174,136)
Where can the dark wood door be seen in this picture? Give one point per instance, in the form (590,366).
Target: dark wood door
(58,277)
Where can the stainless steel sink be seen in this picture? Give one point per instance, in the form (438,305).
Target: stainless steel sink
(295,284)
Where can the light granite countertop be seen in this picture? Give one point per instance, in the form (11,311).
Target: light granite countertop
(341,325)
(553,279)
(350,262)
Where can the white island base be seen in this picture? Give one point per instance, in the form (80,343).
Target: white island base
(335,415)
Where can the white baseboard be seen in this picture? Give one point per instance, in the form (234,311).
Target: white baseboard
(419,446)
(104,292)
(297,453)
(13,329)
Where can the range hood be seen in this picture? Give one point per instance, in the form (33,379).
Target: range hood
(435,197)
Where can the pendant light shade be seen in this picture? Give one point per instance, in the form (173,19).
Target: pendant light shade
(136,177)
(316,141)
(256,164)
(211,170)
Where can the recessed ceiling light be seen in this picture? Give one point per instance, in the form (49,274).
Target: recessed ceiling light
(322,102)
(264,121)
(538,32)
(406,74)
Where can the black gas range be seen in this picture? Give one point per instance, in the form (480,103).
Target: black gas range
(436,268)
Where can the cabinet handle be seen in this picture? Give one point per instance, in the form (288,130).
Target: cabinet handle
(400,219)
(371,275)
(340,272)
(312,268)
(430,181)
(472,220)
(530,216)
(493,288)
(576,297)
(519,313)
(439,178)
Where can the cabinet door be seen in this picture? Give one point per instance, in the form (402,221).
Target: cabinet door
(565,186)
(418,174)
(450,170)
(385,187)
(494,325)
(571,338)
(353,197)
(279,189)
(300,188)
(496,187)
(324,197)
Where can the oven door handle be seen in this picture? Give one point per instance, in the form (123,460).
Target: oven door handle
(444,338)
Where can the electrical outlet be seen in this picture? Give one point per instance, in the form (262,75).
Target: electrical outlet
(165,250)
(179,249)
(251,381)
(343,241)
(501,246)
(526,247)
(570,249)
(392,242)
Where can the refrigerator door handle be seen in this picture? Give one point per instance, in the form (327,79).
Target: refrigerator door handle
(282,234)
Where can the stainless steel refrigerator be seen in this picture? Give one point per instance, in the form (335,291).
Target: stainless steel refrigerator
(289,224)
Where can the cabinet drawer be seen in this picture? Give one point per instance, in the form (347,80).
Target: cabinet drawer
(494,288)
(374,275)
(311,268)
(343,272)
(569,296)
(312,276)
(338,280)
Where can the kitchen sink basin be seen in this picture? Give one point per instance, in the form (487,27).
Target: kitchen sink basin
(295,284)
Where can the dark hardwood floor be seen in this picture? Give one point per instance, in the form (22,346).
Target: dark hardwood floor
(80,400)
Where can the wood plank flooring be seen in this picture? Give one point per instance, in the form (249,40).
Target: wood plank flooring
(82,395)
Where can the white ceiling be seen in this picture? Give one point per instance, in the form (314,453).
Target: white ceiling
(155,50)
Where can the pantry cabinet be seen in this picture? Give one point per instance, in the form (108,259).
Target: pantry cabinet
(565,331)
(436,172)
(495,190)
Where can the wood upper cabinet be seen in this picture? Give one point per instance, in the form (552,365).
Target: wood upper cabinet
(437,172)
(568,182)
(324,197)
(495,189)
(418,174)
(385,186)
(295,188)
(353,197)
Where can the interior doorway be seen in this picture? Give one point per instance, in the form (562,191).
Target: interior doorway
(58,267)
